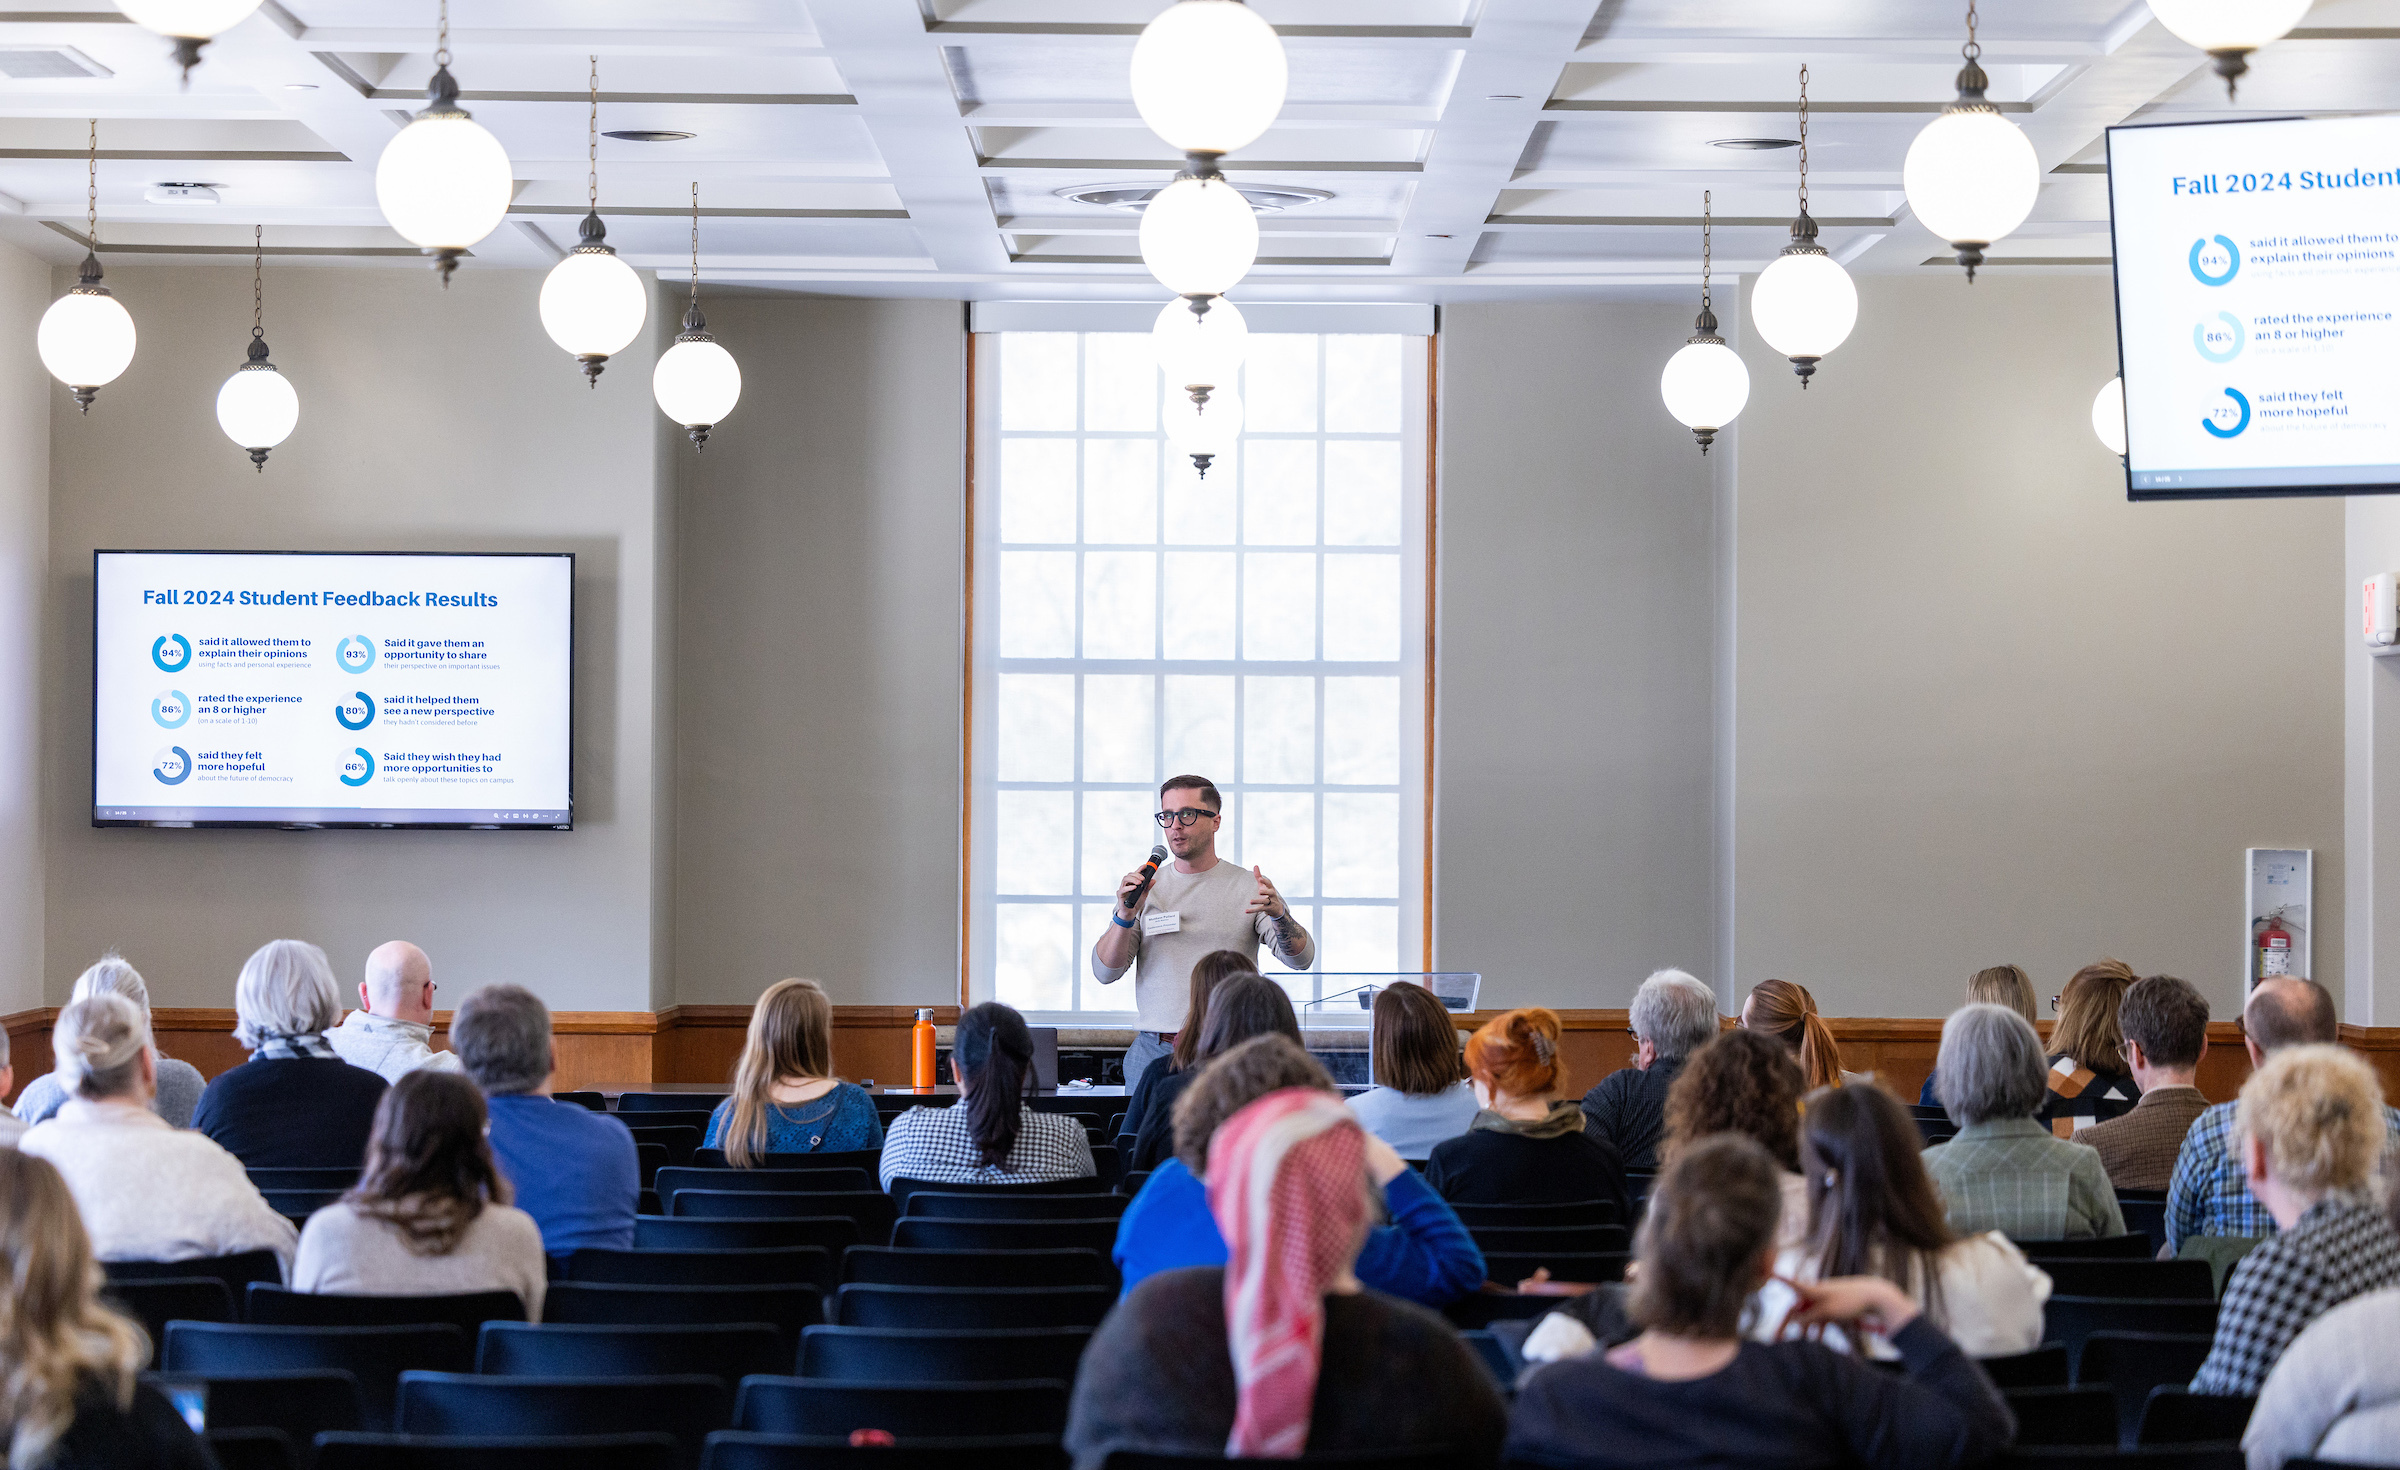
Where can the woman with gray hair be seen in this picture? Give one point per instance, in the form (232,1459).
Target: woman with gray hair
(1672,1016)
(147,1192)
(294,1104)
(179,1083)
(2004,1171)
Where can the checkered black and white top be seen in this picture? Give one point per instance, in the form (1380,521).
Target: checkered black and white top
(2340,1249)
(934,1144)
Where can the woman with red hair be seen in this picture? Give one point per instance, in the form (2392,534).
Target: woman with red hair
(1528,1145)
(1280,1352)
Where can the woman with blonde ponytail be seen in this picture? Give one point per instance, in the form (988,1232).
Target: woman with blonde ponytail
(1527,1146)
(1789,1013)
(70,1396)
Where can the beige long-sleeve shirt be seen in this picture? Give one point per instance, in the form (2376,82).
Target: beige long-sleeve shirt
(345,1253)
(148,1192)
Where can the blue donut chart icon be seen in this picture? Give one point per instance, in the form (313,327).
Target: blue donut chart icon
(363,777)
(182,700)
(2233,262)
(176,759)
(356,654)
(360,724)
(2244,403)
(158,653)
(2200,338)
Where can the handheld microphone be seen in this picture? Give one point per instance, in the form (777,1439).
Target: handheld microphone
(1149,871)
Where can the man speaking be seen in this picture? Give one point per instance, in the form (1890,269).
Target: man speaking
(1193,906)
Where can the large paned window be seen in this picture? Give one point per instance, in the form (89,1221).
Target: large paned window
(1262,626)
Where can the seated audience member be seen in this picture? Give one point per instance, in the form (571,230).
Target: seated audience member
(576,1172)
(1748,1083)
(786,1099)
(70,1368)
(1421,1094)
(1424,1254)
(1280,1351)
(1528,1145)
(179,1083)
(391,1032)
(2208,1195)
(10,1124)
(1242,1007)
(1788,1013)
(1689,1391)
(2311,1130)
(989,1136)
(148,1192)
(2000,985)
(1212,970)
(2165,1021)
(1672,1016)
(294,1104)
(2088,1080)
(2004,1171)
(2334,1395)
(430,1216)
(1873,1211)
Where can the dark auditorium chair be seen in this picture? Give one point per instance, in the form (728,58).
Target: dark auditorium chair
(297,1205)
(652,1157)
(1131,1184)
(375,1356)
(1565,1240)
(970,1306)
(2131,1364)
(1426,1459)
(2176,1415)
(2146,1218)
(932,1204)
(689,1406)
(2055,1416)
(680,1140)
(1508,1270)
(2044,1367)
(903,1187)
(800,1186)
(302,1405)
(651,1451)
(2105,1248)
(252,1449)
(2071,1319)
(886,1266)
(1493,1354)
(864,1158)
(1522,1217)
(562,1350)
(236,1271)
(685,1233)
(591,1100)
(940,1355)
(170,1299)
(273,1306)
(274,1179)
(849,1177)
(796,1265)
(2152,1280)
(2087,1457)
(816,1406)
(1474,1313)
(669,1102)
(735,1450)
(971,1235)
(1108,1164)
(695,1119)
(615,1304)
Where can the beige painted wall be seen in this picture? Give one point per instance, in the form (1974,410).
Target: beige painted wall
(24,530)
(1986,709)
(428,421)
(820,564)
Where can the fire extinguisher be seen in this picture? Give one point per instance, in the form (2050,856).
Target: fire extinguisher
(2274,948)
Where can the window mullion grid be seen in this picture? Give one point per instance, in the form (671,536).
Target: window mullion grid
(1075,802)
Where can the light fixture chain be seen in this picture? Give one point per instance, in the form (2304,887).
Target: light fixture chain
(441,45)
(91,193)
(695,241)
(595,137)
(1706,211)
(258,280)
(1804,137)
(1973,51)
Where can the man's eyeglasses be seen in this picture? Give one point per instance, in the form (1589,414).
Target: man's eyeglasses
(1184,817)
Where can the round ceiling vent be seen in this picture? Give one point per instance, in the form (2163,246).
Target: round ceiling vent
(1265,198)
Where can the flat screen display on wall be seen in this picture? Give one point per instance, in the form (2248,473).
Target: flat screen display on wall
(306,689)
(2258,273)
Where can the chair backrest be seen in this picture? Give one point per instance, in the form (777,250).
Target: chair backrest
(669,1102)
(252,1449)
(941,1355)
(236,1271)
(650,1451)
(375,1356)
(2071,1319)
(969,1235)
(972,1306)
(688,1406)
(816,1406)
(299,1204)
(2044,1367)
(2176,1415)
(689,1233)
(2105,1248)
(275,1306)
(1410,1459)
(681,1140)
(735,1450)
(562,1350)
(765,1181)
(2046,1416)
(890,1266)
(302,1404)
(864,1158)
(2146,1218)
(1572,1240)
(902,1188)
(942,1205)
(615,1304)
(803,1185)
(752,1204)
(801,1265)
(1493,1355)
(1508,1269)
(1132,1183)
(171,1299)
(1473,1313)
(652,1157)
(2091,1457)
(2155,1280)
(1521,1217)
(596,1102)
(2131,1364)
(295,1178)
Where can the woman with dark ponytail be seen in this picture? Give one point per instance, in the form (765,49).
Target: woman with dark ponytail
(1788,1013)
(1528,1145)
(989,1136)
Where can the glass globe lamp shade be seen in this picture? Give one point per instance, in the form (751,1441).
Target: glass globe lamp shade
(593,305)
(1199,236)
(444,182)
(191,20)
(1201,350)
(1705,385)
(2229,25)
(1971,177)
(2108,415)
(1804,305)
(85,340)
(1209,75)
(257,409)
(696,383)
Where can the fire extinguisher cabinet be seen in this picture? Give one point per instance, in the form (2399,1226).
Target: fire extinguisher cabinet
(2278,889)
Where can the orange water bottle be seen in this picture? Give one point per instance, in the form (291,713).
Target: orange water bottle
(920,1049)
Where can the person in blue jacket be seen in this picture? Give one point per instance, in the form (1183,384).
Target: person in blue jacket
(1423,1255)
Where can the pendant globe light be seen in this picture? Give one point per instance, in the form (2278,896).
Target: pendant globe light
(1804,303)
(257,408)
(190,24)
(2229,30)
(444,183)
(593,304)
(86,337)
(1971,175)
(1202,430)
(1706,383)
(1200,345)
(1209,76)
(2108,416)
(696,381)
(1199,235)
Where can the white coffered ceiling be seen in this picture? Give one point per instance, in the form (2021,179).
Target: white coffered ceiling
(1473,149)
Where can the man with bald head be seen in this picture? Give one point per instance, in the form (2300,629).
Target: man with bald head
(391,1031)
(2209,1194)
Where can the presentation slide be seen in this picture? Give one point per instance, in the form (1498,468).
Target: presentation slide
(299,689)
(2258,270)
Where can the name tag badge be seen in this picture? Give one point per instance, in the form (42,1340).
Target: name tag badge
(1167,923)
